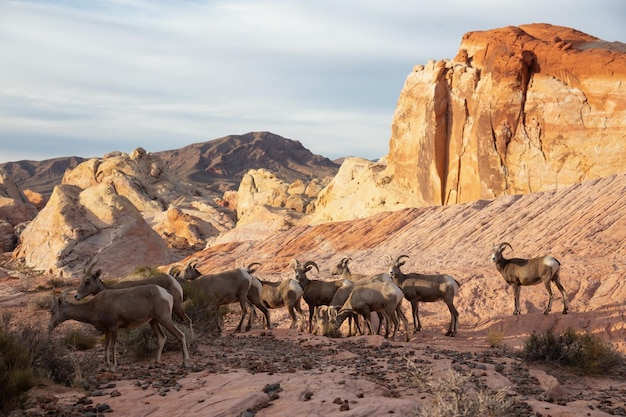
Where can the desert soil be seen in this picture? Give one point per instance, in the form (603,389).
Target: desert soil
(289,372)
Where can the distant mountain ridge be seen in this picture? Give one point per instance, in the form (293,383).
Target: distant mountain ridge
(217,164)
(221,163)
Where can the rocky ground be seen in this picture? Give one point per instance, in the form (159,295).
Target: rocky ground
(289,372)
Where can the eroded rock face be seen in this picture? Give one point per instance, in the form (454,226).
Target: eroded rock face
(139,177)
(519,110)
(360,189)
(14,209)
(78,227)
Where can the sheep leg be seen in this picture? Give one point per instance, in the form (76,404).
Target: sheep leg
(311,312)
(516,292)
(557,281)
(400,314)
(110,346)
(182,315)
(550,296)
(387,326)
(266,315)
(158,332)
(417,324)
(454,319)
(180,336)
(244,311)
(368,321)
(380,322)
(107,350)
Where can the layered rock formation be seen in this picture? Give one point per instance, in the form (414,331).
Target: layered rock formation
(518,110)
(15,208)
(79,226)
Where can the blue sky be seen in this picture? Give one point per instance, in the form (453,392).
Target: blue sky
(88,77)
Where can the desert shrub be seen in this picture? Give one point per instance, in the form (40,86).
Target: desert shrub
(458,395)
(145,271)
(16,372)
(495,339)
(583,353)
(140,343)
(79,341)
(40,302)
(56,283)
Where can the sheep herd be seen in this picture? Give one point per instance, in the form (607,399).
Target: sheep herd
(330,302)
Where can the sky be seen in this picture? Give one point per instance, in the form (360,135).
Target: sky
(87,77)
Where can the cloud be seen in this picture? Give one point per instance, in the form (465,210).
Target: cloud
(160,74)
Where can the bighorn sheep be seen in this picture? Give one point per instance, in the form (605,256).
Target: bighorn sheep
(285,293)
(342,269)
(427,288)
(383,297)
(342,294)
(519,272)
(92,284)
(316,292)
(111,310)
(224,288)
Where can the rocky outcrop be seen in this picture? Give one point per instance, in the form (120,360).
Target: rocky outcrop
(360,189)
(78,227)
(140,177)
(15,208)
(518,110)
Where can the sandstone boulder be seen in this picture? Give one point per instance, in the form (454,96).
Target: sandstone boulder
(79,226)
(183,230)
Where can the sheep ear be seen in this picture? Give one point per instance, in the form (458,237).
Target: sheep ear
(97,273)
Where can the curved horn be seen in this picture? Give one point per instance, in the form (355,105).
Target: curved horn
(250,269)
(344,261)
(308,264)
(173,269)
(294,263)
(189,262)
(502,245)
(397,261)
(88,271)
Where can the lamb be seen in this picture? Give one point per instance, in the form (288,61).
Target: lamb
(427,288)
(91,283)
(520,272)
(316,292)
(383,297)
(111,310)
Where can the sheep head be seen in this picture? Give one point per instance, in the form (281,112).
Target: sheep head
(394,271)
(341,267)
(496,251)
(55,310)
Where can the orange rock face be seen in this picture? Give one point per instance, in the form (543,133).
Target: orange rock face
(519,110)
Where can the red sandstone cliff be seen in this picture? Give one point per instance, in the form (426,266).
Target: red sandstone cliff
(518,110)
